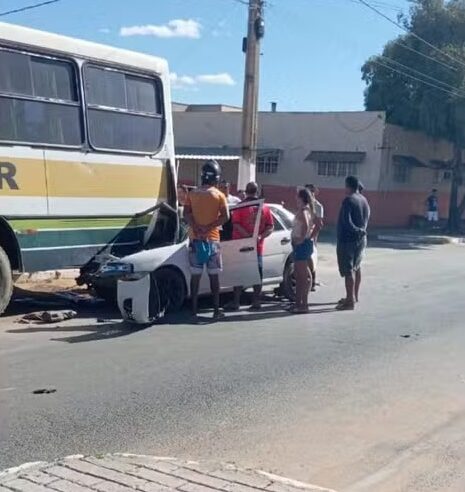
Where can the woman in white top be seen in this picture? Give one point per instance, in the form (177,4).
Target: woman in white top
(303,248)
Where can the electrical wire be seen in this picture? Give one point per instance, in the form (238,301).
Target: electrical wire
(424,55)
(416,36)
(417,72)
(455,94)
(28,7)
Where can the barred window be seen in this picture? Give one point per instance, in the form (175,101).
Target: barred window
(268,163)
(402,173)
(340,169)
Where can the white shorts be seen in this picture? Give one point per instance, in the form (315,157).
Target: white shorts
(432,216)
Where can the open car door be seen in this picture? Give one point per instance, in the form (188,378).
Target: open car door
(240,264)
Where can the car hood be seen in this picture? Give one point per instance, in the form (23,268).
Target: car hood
(151,259)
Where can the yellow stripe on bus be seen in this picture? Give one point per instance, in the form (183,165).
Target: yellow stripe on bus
(66,179)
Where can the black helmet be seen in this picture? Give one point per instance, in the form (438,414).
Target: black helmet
(211,173)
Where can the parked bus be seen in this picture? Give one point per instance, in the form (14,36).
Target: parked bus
(86,142)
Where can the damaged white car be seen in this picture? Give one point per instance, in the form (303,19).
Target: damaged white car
(157,278)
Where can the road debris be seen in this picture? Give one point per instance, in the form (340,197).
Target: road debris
(46,317)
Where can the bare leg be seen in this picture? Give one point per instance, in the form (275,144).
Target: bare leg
(257,290)
(350,288)
(311,267)
(302,284)
(237,297)
(358,281)
(195,284)
(215,288)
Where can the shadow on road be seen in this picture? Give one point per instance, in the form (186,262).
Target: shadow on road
(103,331)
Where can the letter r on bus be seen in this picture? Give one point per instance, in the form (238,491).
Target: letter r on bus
(7,175)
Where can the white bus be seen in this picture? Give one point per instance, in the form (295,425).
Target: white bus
(86,142)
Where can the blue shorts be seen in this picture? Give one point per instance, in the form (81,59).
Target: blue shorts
(303,251)
(205,254)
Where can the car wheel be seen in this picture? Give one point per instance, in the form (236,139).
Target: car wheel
(288,285)
(6,281)
(172,289)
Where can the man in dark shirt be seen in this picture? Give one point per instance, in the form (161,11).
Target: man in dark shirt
(352,241)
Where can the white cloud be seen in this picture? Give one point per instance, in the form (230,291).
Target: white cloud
(180,81)
(216,79)
(188,82)
(176,28)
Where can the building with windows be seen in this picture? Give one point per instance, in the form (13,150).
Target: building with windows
(397,167)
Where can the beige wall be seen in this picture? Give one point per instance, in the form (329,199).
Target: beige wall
(296,134)
(189,170)
(405,142)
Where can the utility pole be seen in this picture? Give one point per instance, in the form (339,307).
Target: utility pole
(251,47)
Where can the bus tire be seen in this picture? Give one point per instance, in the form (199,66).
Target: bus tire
(6,281)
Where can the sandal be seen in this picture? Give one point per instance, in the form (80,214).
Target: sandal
(345,306)
(230,306)
(296,310)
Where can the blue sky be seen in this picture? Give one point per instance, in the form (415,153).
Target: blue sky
(312,51)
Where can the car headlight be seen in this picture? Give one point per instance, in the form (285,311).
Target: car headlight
(116,269)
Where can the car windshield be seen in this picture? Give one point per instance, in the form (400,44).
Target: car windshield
(284,216)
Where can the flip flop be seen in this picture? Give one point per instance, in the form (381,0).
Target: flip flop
(295,310)
(345,306)
(231,307)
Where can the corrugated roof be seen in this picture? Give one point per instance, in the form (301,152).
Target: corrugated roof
(218,153)
(407,160)
(335,156)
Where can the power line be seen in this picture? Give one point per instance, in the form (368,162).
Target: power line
(416,78)
(417,72)
(424,55)
(392,21)
(28,7)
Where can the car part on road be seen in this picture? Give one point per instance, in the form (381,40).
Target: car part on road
(6,281)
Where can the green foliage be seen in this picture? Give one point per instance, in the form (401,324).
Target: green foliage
(416,91)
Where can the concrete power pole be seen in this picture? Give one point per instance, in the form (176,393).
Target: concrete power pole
(251,47)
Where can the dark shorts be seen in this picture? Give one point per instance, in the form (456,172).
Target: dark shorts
(205,254)
(350,256)
(303,251)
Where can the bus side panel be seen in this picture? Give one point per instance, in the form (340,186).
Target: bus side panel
(92,200)
(23,189)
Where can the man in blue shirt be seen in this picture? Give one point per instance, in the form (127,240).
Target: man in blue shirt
(432,207)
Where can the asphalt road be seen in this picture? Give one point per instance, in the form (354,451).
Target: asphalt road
(372,400)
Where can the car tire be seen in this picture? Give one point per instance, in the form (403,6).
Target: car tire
(172,289)
(6,281)
(288,285)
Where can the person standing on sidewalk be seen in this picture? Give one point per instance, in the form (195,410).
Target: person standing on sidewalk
(243,221)
(319,223)
(205,211)
(352,241)
(302,245)
(432,207)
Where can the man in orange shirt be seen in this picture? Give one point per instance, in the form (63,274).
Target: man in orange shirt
(206,210)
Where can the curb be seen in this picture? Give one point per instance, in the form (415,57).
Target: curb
(432,240)
(125,471)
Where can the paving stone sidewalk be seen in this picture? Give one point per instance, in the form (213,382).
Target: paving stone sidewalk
(129,473)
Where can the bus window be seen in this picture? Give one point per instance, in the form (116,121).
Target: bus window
(124,111)
(38,100)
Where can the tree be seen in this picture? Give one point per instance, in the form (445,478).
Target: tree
(421,85)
